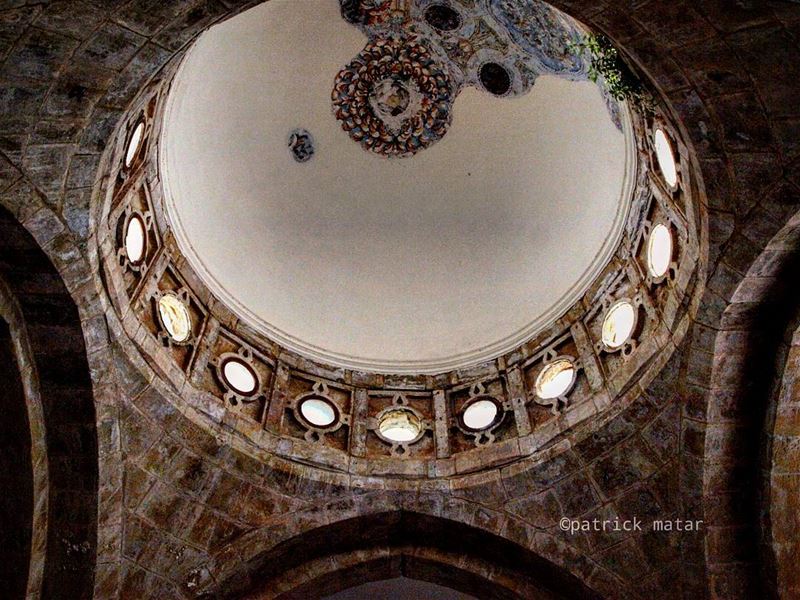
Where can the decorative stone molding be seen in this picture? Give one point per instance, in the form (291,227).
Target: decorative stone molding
(352,442)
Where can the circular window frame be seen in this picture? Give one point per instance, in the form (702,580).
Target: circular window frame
(399,408)
(337,413)
(672,265)
(182,297)
(655,162)
(134,215)
(496,422)
(631,337)
(548,364)
(130,165)
(243,360)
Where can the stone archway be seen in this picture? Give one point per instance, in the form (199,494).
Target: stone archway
(56,366)
(747,446)
(347,552)
(727,71)
(16,473)
(781,481)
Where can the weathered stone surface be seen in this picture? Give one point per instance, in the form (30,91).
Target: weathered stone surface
(729,71)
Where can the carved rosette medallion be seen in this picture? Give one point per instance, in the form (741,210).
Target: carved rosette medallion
(393,98)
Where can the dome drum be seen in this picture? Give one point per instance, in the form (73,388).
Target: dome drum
(506,391)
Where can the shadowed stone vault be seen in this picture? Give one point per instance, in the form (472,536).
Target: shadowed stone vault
(156,485)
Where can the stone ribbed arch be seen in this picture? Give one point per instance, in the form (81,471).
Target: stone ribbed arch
(750,353)
(501,551)
(781,480)
(47,328)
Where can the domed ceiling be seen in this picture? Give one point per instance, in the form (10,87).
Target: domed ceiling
(398,186)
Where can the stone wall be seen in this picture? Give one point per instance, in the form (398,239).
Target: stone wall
(783,477)
(16,474)
(174,499)
(49,348)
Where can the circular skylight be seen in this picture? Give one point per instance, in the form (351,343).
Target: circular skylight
(618,324)
(134,143)
(318,412)
(175,317)
(666,158)
(480,414)
(555,379)
(135,239)
(400,425)
(659,250)
(239,376)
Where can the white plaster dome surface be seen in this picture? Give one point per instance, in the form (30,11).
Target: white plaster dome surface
(419,264)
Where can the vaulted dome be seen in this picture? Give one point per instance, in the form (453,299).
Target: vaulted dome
(416,254)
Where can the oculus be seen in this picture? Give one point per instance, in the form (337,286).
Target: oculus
(318,412)
(135,240)
(134,144)
(556,379)
(619,324)
(400,425)
(659,251)
(175,317)
(239,376)
(480,414)
(665,158)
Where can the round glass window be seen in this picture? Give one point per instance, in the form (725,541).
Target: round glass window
(175,317)
(318,411)
(481,414)
(618,324)
(135,239)
(134,143)
(659,250)
(400,425)
(666,158)
(555,379)
(239,376)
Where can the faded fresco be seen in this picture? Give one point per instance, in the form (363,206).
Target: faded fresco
(396,97)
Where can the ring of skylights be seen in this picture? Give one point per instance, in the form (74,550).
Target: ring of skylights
(432,418)
(400,425)
(665,158)
(134,144)
(660,248)
(556,379)
(317,411)
(619,324)
(135,242)
(175,318)
(239,376)
(481,414)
